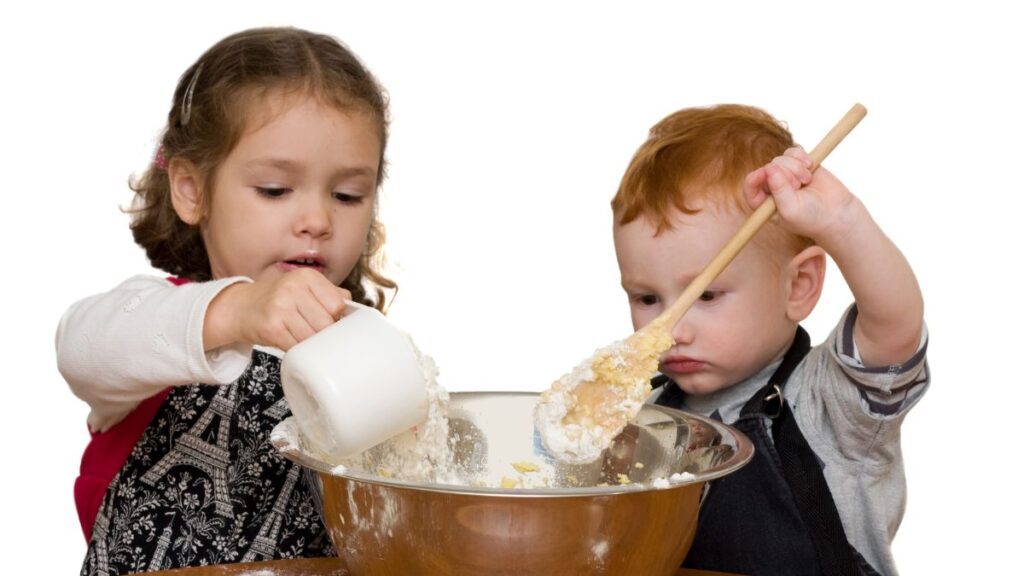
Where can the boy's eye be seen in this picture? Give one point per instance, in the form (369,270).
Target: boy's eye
(271,192)
(709,296)
(647,299)
(347,198)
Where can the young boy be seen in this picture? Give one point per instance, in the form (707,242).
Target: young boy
(825,421)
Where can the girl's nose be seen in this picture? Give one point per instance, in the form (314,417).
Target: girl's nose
(314,218)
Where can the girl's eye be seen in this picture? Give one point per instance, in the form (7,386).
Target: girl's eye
(347,198)
(709,296)
(271,192)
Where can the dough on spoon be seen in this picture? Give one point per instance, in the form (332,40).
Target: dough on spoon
(582,412)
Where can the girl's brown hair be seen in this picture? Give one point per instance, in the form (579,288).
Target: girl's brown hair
(207,118)
(701,154)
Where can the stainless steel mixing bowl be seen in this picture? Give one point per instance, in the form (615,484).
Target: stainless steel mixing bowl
(606,517)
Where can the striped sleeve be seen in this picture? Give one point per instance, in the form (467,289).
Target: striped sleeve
(884,390)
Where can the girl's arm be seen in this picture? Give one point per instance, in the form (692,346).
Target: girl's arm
(118,348)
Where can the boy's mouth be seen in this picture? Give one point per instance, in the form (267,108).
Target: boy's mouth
(682,365)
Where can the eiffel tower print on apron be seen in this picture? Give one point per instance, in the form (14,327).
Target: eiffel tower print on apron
(203,485)
(213,459)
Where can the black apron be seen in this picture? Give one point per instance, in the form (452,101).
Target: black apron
(203,485)
(751,521)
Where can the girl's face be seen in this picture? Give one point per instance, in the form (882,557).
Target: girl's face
(298,190)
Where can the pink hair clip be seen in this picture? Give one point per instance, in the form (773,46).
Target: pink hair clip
(160,160)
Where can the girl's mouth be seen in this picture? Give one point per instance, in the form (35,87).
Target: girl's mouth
(296,263)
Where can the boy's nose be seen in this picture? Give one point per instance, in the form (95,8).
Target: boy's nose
(684,331)
(314,218)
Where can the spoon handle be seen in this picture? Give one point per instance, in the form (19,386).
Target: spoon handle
(673,313)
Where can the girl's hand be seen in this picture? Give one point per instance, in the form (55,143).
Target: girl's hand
(279,313)
(812,204)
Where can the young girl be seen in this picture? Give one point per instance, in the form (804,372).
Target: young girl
(261,202)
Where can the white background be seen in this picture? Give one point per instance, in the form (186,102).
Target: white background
(512,126)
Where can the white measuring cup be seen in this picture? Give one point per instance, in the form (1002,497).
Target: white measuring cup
(354,384)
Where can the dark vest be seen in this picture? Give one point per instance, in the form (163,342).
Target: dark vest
(771,516)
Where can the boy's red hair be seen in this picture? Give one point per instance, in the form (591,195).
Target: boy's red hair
(699,155)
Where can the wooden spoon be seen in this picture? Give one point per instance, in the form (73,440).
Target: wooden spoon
(584,410)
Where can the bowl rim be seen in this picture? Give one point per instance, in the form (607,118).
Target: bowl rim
(744,452)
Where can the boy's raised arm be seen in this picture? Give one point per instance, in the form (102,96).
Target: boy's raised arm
(817,205)
(889,302)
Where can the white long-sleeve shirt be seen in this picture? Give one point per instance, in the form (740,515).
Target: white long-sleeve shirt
(120,347)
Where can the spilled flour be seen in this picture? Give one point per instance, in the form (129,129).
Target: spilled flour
(677,478)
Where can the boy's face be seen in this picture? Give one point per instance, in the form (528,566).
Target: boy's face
(737,327)
(297,191)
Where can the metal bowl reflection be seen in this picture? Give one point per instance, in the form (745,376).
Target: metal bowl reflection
(606,517)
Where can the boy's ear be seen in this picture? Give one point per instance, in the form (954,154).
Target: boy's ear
(186,195)
(806,277)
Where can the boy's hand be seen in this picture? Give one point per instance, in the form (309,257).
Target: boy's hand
(279,313)
(812,204)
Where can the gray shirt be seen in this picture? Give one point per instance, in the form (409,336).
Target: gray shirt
(851,417)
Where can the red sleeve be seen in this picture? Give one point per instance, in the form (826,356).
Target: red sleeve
(104,456)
